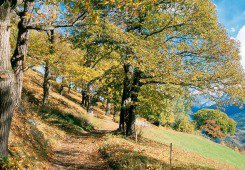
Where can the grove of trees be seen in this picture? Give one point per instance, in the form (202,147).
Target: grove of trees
(140,57)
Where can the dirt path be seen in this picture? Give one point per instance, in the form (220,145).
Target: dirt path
(80,152)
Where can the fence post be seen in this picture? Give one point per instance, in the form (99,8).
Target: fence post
(136,135)
(163,162)
(171,148)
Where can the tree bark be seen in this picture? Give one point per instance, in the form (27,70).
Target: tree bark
(128,70)
(61,89)
(61,86)
(69,88)
(46,83)
(108,107)
(133,105)
(84,96)
(90,107)
(46,77)
(19,57)
(7,80)
(123,110)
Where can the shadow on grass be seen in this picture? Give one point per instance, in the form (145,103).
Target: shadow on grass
(66,121)
(30,97)
(68,96)
(121,158)
(128,159)
(72,124)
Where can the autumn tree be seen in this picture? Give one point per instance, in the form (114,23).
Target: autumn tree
(7,79)
(60,62)
(47,18)
(163,105)
(178,43)
(212,129)
(214,121)
(19,55)
(99,58)
(111,89)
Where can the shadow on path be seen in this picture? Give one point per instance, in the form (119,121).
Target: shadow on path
(80,152)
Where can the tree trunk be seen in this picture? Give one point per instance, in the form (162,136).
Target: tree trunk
(46,83)
(19,57)
(61,86)
(122,111)
(134,97)
(108,107)
(69,88)
(61,89)
(90,107)
(7,81)
(128,70)
(46,77)
(84,96)
(130,121)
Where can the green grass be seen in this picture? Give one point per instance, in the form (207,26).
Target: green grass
(120,157)
(196,144)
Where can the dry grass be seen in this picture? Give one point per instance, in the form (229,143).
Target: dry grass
(117,149)
(32,82)
(28,146)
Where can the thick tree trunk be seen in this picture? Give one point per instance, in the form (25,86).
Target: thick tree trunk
(131,87)
(46,83)
(7,81)
(108,107)
(19,57)
(130,121)
(128,70)
(134,97)
(122,111)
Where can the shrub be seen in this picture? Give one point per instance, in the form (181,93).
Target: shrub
(184,125)
(212,129)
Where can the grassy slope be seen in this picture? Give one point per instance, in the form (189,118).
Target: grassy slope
(66,114)
(196,144)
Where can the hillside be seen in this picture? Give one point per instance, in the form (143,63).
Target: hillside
(64,136)
(240,133)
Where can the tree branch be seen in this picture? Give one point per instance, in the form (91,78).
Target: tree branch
(164,28)
(44,28)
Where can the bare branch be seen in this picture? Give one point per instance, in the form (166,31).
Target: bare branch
(81,17)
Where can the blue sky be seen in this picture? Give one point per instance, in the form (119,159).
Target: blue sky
(231,14)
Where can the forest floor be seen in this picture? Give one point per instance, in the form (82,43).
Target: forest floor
(64,136)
